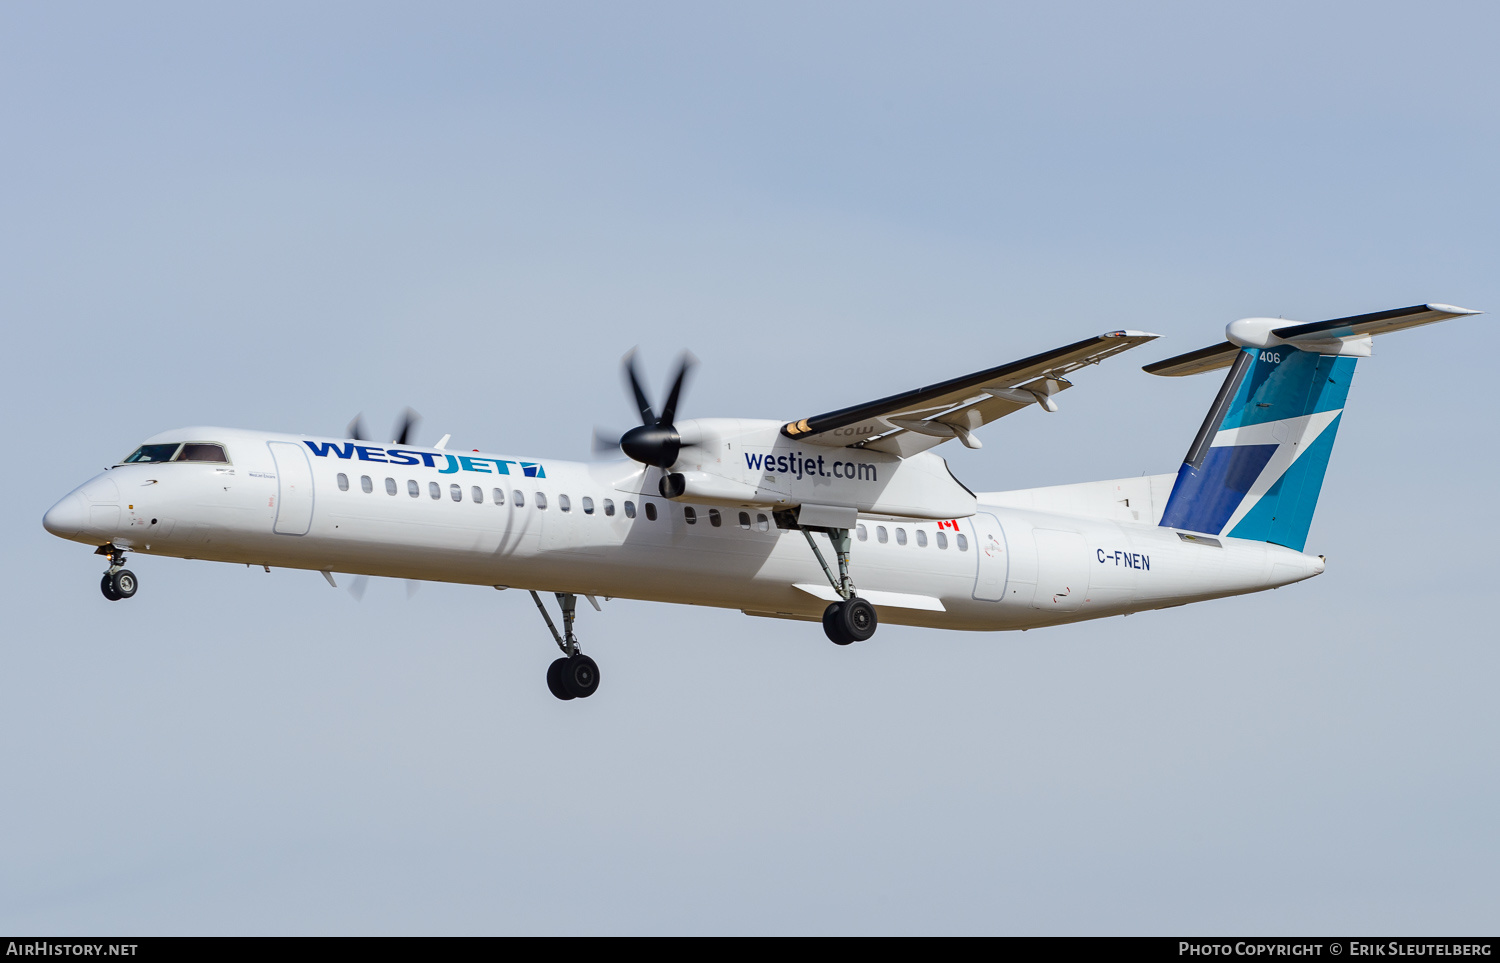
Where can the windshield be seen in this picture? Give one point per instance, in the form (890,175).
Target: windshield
(147,453)
(197,451)
(178,451)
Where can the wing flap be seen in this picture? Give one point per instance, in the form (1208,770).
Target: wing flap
(916,420)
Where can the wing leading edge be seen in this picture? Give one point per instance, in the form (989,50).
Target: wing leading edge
(913,421)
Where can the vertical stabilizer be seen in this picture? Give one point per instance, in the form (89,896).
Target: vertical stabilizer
(1256,467)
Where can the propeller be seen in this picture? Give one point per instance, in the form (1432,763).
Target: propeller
(655,441)
(360,583)
(605,442)
(402,432)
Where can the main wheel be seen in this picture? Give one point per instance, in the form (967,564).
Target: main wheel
(857,619)
(833,625)
(580,676)
(555,680)
(107,586)
(124,583)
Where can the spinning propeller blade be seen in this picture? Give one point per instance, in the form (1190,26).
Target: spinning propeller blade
(405,427)
(655,441)
(400,434)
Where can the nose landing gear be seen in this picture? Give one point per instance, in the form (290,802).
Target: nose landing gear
(575,675)
(118,582)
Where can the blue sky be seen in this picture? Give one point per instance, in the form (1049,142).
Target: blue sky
(280,216)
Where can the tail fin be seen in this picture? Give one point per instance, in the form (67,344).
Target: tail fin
(1257,464)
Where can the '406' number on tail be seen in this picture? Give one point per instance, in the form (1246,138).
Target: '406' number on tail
(1274,357)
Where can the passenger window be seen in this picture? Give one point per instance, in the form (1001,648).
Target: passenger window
(476,494)
(745,521)
(689,515)
(880,534)
(921,539)
(152,453)
(412,488)
(942,540)
(499,494)
(192,451)
(900,536)
(541,501)
(650,511)
(629,508)
(435,490)
(390,486)
(963,542)
(343,482)
(365,484)
(564,504)
(762,523)
(456,493)
(860,533)
(588,505)
(714,518)
(517,499)
(609,507)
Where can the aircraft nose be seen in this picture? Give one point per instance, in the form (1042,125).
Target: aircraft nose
(68,517)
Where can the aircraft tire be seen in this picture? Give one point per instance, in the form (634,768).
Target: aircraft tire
(833,624)
(555,680)
(580,676)
(124,583)
(857,620)
(107,586)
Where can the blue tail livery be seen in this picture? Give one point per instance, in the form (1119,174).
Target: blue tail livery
(1256,466)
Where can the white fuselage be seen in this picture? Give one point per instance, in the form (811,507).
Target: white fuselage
(278,503)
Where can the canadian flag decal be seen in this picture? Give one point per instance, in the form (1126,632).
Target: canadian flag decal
(949,524)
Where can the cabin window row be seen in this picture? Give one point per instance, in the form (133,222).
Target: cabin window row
(690,515)
(883,536)
(498,496)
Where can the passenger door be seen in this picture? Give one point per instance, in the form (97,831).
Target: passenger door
(294,484)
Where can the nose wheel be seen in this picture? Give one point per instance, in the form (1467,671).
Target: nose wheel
(118,582)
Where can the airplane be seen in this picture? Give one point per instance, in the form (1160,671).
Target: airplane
(735,513)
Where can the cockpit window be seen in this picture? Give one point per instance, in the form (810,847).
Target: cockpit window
(152,453)
(198,451)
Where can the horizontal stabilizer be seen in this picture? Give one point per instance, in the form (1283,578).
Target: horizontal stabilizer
(1321,337)
(1381,322)
(1195,362)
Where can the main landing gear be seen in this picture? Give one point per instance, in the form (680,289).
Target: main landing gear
(118,582)
(851,619)
(575,675)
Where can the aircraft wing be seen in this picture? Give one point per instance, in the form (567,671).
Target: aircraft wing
(914,421)
(1316,332)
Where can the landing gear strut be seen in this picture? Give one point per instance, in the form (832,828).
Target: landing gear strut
(575,675)
(118,582)
(851,619)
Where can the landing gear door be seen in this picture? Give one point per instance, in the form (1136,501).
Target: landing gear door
(994,558)
(294,489)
